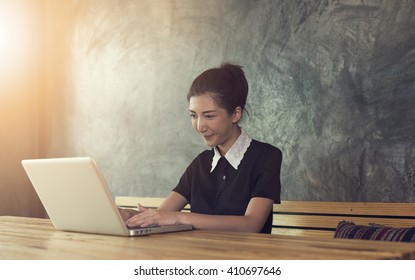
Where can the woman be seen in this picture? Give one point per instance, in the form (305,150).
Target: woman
(234,185)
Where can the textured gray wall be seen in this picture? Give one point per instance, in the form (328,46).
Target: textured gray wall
(331,83)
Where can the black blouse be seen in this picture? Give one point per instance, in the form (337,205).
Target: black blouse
(226,191)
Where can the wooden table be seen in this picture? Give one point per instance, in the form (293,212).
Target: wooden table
(32,238)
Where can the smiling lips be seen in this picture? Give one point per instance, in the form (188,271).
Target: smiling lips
(207,137)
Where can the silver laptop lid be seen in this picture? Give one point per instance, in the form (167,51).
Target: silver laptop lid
(77,198)
(75,195)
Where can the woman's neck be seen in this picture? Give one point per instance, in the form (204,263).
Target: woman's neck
(236,131)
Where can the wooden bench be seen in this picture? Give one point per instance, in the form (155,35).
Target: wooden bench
(316,218)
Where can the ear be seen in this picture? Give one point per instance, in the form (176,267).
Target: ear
(237,114)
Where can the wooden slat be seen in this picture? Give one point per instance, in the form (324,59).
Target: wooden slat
(302,232)
(349,208)
(341,208)
(332,221)
(131,201)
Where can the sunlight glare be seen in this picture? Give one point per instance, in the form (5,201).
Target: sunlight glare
(17,39)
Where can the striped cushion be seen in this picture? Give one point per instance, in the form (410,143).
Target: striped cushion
(350,230)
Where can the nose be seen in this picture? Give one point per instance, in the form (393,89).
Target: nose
(200,125)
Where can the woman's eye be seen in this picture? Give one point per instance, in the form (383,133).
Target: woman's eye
(209,116)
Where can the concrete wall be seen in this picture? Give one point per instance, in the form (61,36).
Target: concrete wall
(331,83)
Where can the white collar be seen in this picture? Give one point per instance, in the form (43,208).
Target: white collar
(236,153)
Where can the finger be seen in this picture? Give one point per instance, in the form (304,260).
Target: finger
(134,221)
(141,208)
(140,219)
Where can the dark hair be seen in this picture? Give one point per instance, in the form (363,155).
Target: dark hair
(227,85)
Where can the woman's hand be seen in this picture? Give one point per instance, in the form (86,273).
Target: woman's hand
(146,217)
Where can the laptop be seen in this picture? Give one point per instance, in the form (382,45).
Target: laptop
(77,198)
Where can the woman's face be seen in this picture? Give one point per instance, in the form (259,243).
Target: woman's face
(214,123)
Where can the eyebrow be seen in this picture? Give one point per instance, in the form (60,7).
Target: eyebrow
(204,112)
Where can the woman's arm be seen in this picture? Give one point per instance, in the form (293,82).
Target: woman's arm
(253,221)
(173,202)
